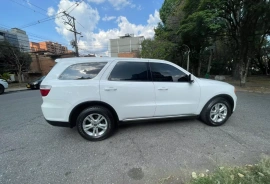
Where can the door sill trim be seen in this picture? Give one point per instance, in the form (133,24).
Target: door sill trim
(159,117)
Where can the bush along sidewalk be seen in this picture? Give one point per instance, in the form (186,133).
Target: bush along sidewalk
(255,174)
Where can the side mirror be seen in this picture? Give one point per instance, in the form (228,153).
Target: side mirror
(190,78)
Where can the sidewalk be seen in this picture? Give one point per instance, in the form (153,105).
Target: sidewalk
(13,87)
(254,84)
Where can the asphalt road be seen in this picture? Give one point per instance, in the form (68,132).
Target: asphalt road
(32,151)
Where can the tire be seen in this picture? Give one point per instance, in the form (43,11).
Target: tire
(95,123)
(2,89)
(216,112)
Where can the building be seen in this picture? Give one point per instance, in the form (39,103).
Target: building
(52,47)
(127,46)
(42,63)
(9,37)
(22,38)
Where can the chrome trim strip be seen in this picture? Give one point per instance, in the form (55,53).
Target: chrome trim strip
(159,117)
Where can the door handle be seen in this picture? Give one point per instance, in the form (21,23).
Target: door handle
(110,89)
(163,88)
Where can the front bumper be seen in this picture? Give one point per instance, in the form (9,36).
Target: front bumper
(59,123)
(5,84)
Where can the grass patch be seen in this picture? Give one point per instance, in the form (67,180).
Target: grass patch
(249,174)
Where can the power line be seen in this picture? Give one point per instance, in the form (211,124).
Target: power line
(77,3)
(80,24)
(34,5)
(40,22)
(33,35)
(45,19)
(27,7)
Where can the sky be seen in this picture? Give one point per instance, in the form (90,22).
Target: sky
(97,20)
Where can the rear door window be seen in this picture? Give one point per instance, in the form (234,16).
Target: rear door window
(82,71)
(162,72)
(130,71)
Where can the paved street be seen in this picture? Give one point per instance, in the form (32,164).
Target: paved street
(32,151)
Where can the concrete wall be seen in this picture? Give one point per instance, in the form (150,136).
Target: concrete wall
(42,64)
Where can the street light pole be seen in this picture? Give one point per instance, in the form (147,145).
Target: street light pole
(187,56)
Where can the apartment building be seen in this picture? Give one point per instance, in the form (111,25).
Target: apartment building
(52,47)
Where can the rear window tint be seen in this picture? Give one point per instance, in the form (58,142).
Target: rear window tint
(82,71)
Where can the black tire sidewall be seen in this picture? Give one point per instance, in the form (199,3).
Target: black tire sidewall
(99,110)
(2,89)
(206,113)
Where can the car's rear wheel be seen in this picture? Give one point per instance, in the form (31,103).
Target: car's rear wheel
(95,123)
(2,89)
(216,112)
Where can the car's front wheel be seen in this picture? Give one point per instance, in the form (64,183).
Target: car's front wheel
(2,89)
(216,112)
(95,123)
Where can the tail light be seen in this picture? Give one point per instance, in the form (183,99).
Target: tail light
(45,89)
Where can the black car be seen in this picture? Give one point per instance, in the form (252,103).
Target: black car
(35,84)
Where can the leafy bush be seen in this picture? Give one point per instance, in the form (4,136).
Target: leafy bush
(5,76)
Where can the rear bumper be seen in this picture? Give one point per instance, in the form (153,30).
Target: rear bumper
(32,86)
(58,123)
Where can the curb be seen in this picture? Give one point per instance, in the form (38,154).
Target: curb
(15,90)
(250,91)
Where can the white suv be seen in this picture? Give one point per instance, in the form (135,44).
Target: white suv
(3,86)
(95,94)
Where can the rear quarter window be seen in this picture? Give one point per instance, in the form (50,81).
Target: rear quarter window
(82,71)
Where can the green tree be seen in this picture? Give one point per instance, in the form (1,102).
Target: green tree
(12,59)
(244,21)
(157,49)
(198,30)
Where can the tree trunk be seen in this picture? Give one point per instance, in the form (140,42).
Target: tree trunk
(236,69)
(19,73)
(199,68)
(244,72)
(209,62)
(199,64)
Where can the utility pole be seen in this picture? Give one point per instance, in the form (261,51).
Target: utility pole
(71,22)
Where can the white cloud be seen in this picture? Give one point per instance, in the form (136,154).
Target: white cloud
(96,41)
(154,19)
(96,1)
(119,4)
(84,14)
(106,18)
(50,11)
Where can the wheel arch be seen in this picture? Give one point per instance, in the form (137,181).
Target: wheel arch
(80,107)
(225,96)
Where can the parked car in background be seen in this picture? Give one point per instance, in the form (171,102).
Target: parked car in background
(3,86)
(95,94)
(35,84)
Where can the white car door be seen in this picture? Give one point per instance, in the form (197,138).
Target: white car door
(175,96)
(127,87)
